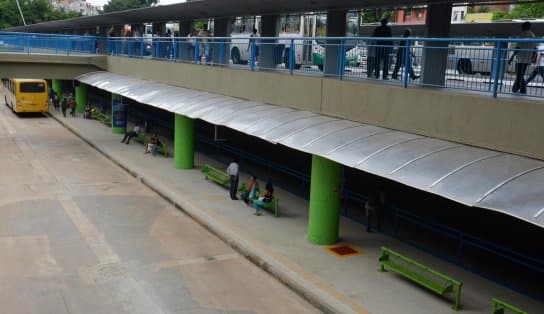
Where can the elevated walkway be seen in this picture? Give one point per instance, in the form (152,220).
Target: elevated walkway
(279,245)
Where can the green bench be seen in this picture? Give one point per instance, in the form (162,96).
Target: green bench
(144,139)
(421,274)
(216,175)
(103,118)
(273,205)
(499,307)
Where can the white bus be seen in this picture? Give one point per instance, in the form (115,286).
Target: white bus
(290,26)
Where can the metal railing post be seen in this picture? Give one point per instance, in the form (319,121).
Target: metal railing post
(497,67)
(291,56)
(197,52)
(341,59)
(175,49)
(407,63)
(222,52)
(252,56)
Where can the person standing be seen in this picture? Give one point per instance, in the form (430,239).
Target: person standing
(539,65)
(204,49)
(254,43)
(524,56)
(401,55)
(64,106)
(383,49)
(232,171)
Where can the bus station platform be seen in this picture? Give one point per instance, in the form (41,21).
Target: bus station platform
(333,282)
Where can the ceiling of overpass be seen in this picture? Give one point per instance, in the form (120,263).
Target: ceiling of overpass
(216,8)
(502,182)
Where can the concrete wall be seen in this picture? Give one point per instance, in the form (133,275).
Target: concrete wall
(507,124)
(49,66)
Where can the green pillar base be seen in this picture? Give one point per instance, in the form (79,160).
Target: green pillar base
(57,87)
(81,97)
(325,202)
(184,142)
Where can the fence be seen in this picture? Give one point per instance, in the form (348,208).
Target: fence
(484,64)
(49,43)
(490,65)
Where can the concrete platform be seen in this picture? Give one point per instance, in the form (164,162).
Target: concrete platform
(279,245)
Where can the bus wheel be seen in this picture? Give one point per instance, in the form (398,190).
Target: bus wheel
(235,56)
(464,66)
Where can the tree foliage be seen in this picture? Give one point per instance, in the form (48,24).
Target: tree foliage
(121,5)
(34,11)
(522,10)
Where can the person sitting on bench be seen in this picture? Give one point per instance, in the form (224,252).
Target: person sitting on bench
(153,145)
(264,199)
(88,111)
(252,187)
(131,134)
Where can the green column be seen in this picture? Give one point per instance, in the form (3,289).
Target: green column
(118,115)
(57,87)
(81,97)
(184,142)
(324,201)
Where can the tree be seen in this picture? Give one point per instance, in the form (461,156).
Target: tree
(34,11)
(522,10)
(121,5)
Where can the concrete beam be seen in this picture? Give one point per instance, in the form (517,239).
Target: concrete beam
(49,66)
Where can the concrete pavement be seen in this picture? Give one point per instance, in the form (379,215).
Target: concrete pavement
(80,235)
(279,245)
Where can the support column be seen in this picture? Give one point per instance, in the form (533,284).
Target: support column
(435,54)
(118,115)
(324,201)
(81,97)
(220,47)
(336,27)
(57,87)
(184,48)
(269,54)
(184,142)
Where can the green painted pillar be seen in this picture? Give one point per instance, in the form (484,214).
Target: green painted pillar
(324,201)
(81,97)
(57,87)
(118,115)
(184,142)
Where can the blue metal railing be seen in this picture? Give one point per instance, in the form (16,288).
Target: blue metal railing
(49,43)
(477,64)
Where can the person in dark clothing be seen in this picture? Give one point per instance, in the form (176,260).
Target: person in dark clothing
(524,57)
(383,49)
(135,131)
(64,106)
(401,54)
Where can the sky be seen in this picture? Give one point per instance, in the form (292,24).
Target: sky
(163,2)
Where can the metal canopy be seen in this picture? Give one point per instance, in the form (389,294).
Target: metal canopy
(506,183)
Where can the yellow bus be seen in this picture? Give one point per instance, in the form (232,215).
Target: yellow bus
(26,95)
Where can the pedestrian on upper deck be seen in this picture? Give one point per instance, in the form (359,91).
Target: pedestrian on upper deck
(524,57)
(383,49)
(539,65)
(401,55)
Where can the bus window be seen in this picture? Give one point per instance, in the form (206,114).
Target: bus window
(290,24)
(32,87)
(237,26)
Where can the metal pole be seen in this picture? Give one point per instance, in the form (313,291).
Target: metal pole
(21,12)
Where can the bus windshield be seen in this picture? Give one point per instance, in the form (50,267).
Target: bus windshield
(32,87)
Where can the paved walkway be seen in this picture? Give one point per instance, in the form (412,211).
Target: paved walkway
(279,245)
(80,235)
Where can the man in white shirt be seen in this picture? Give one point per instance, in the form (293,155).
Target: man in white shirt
(232,171)
(135,131)
(539,65)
